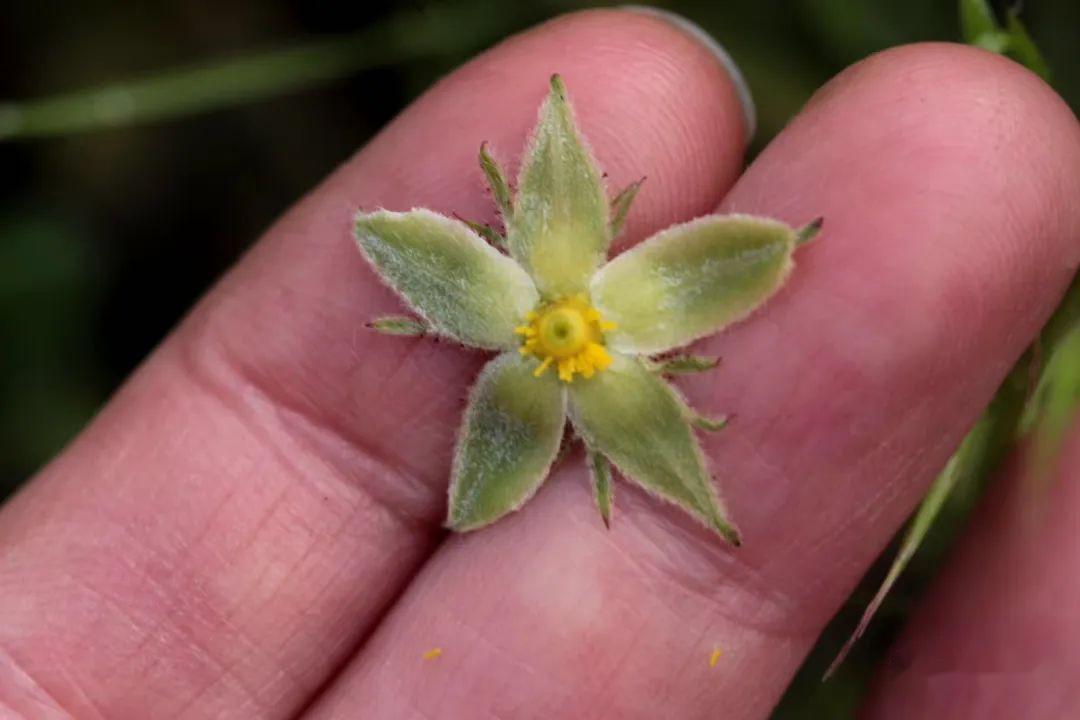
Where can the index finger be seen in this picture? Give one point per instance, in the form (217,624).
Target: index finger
(244,510)
(945,176)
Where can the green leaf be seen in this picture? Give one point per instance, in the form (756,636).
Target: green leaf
(691,280)
(415,34)
(398,325)
(980,27)
(603,493)
(980,454)
(1053,405)
(640,423)
(509,438)
(995,42)
(620,206)
(965,466)
(462,286)
(976,20)
(685,364)
(500,191)
(1022,48)
(559,231)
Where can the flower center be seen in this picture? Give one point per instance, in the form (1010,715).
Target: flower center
(567,333)
(563,332)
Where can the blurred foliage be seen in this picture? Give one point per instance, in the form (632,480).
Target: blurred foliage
(107,237)
(980,26)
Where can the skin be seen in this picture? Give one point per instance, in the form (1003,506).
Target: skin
(251,527)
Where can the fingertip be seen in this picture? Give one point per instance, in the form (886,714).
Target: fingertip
(962,99)
(719,52)
(650,97)
(951,127)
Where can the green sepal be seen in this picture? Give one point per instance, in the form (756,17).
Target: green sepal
(500,190)
(559,230)
(509,438)
(493,236)
(809,231)
(708,424)
(692,280)
(464,288)
(684,364)
(398,325)
(640,423)
(620,206)
(603,492)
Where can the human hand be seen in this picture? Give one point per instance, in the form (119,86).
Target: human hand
(251,528)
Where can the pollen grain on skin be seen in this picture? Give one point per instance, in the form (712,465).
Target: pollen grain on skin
(567,334)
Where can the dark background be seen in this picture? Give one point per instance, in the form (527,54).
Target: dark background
(107,237)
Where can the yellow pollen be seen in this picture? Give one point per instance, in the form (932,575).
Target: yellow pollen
(569,334)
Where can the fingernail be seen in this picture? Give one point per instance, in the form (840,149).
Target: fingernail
(695,31)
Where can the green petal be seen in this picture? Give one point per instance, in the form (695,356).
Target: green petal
(691,280)
(559,231)
(510,436)
(640,423)
(462,286)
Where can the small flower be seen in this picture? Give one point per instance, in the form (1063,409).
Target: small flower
(577,338)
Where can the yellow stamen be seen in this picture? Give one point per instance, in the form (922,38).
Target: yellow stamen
(566,333)
(543,366)
(715,657)
(432,654)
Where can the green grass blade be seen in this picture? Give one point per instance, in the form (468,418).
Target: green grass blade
(187,91)
(1050,410)
(979,455)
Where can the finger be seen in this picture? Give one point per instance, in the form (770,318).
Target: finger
(249,503)
(997,636)
(944,175)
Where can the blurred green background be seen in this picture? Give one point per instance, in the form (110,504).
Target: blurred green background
(107,236)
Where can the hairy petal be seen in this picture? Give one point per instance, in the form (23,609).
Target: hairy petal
(559,231)
(691,280)
(509,439)
(638,421)
(463,287)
